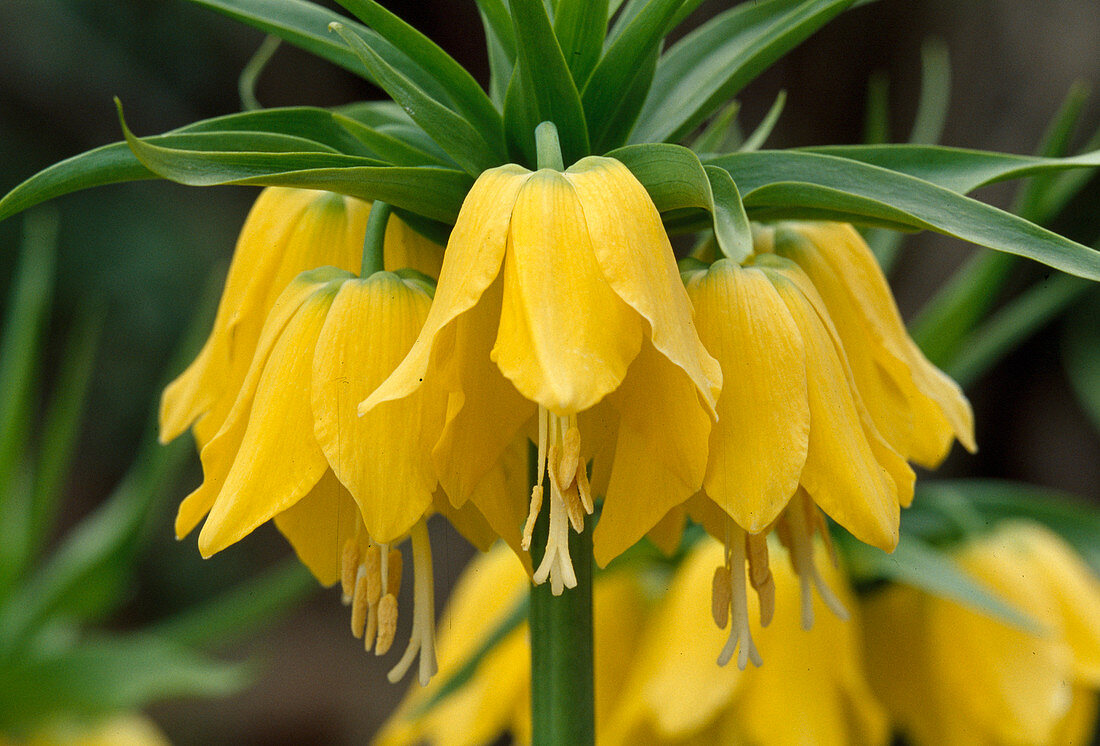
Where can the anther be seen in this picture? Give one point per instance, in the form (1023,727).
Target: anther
(394,575)
(387,624)
(360,603)
(720,596)
(760,575)
(349,565)
(532,516)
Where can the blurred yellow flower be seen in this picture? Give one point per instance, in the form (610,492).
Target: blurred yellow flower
(826,398)
(288,231)
(559,302)
(949,674)
(122,729)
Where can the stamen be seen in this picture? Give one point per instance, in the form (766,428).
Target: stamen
(349,564)
(360,605)
(393,577)
(720,596)
(387,624)
(760,576)
(422,637)
(584,489)
(740,637)
(384,569)
(570,455)
(556,563)
(532,516)
(800,534)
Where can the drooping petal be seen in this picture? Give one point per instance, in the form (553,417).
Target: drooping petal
(221,449)
(660,454)
(842,473)
(758,446)
(635,256)
(279,460)
(565,337)
(319,525)
(384,457)
(405,248)
(255,259)
(472,261)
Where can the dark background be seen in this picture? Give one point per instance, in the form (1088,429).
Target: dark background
(147,250)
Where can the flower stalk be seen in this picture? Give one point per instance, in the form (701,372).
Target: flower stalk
(373,257)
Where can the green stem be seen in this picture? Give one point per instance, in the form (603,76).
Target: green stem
(547,147)
(562,692)
(373,258)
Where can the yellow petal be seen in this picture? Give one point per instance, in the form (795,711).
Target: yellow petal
(384,457)
(405,248)
(218,453)
(279,460)
(660,455)
(637,260)
(319,525)
(484,412)
(255,258)
(758,446)
(565,337)
(502,496)
(471,263)
(842,473)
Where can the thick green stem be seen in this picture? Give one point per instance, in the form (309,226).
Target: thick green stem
(373,256)
(548,147)
(562,694)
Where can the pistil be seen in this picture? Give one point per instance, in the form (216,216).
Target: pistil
(422,637)
(796,529)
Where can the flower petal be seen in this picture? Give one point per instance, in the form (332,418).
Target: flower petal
(471,263)
(279,460)
(660,455)
(758,446)
(405,248)
(319,524)
(634,253)
(565,337)
(221,449)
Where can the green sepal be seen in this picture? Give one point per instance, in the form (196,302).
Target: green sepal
(678,183)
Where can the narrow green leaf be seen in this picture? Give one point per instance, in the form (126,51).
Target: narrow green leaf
(722,133)
(956,169)
(544,79)
(989,342)
(392,149)
(458,137)
(876,116)
(61,423)
(115,163)
(710,65)
(935,93)
(618,70)
(919,564)
(1081,354)
(780,184)
(305,24)
(580,26)
(470,101)
(502,62)
(1031,200)
(760,135)
(497,17)
(1076,520)
(250,75)
(677,181)
(241,611)
(106,674)
(435,193)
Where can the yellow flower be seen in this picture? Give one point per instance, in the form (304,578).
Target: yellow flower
(559,301)
(656,682)
(122,729)
(288,231)
(811,691)
(952,675)
(826,397)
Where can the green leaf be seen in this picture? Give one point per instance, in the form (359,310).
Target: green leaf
(1081,355)
(935,93)
(721,134)
(921,565)
(760,135)
(710,65)
(502,57)
(105,674)
(392,149)
(435,193)
(20,349)
(464,143)
(250,75)
(876,117)
(780,184)
(239,612)
(956,169)
(677,181)
(1033,201)
(305,24)
(1026,314)
(115,163)
(1075,520)
(547,85)
(580,26)
(470,101)
(619,69)
(496,16)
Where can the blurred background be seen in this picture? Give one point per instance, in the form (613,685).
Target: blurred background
(147,251)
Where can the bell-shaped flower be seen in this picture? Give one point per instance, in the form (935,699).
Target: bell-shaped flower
(288,231)
(951,674)
(560,307)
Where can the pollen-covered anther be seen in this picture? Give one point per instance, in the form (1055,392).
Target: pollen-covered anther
(387,624)
(720,597)
(740,637)
(349,567)
(760,575)
(799,524)
(360,605)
